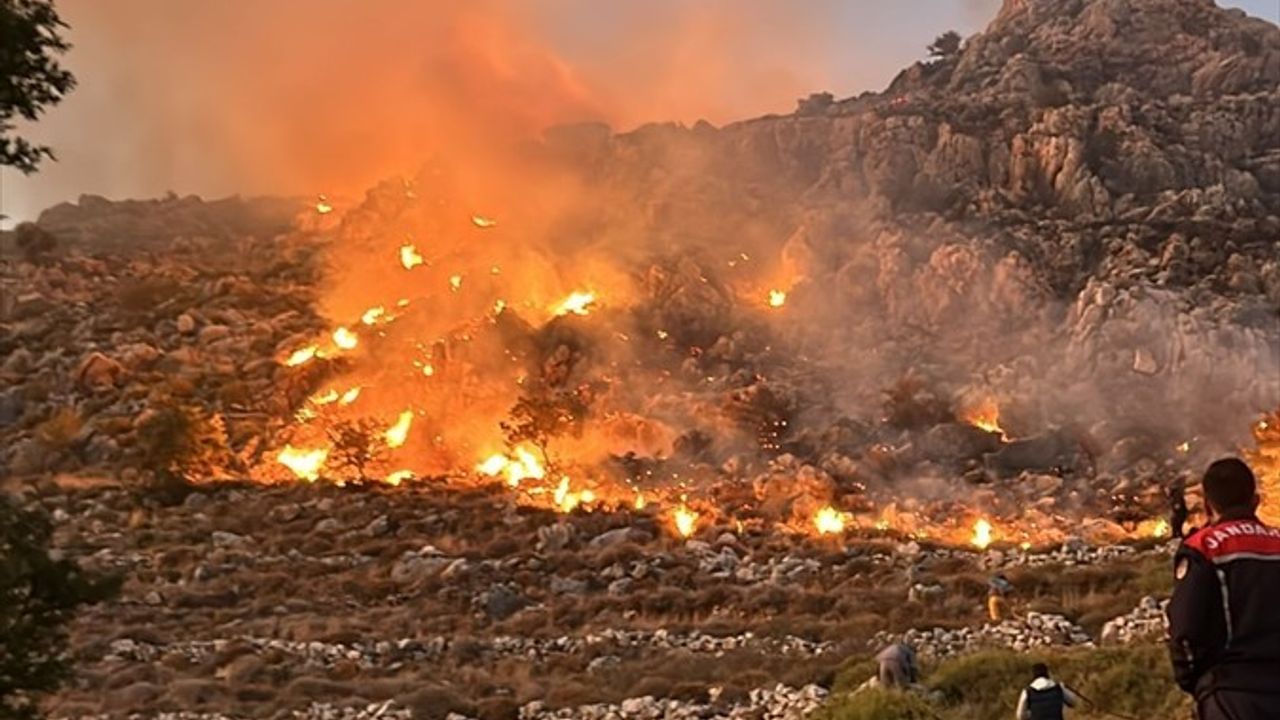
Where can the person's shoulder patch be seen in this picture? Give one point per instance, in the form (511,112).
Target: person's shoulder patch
(1180,570)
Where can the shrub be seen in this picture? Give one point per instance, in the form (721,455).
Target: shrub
(184,441)
(356,445)
(38,596)
(879,705)
(60,430)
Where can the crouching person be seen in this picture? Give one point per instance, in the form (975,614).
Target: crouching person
(898,666)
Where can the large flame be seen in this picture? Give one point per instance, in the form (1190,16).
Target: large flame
(578,303)
(410,258)
(399,432)
(522,465)
(981,534)
(306,464)
(345,339)
(829,521)
(684,520)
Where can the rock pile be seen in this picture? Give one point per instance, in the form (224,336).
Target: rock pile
(1147,621)
(1034,631)
(776,703)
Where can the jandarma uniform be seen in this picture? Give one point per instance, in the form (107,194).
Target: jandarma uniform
(1224,618)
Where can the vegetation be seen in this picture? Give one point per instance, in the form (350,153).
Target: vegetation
(1129,681)
(538,417)
(31,80)
(945,46)
(183,441)
(38,595)
(356,445)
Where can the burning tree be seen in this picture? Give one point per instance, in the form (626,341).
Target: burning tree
(355,445)
(39,593)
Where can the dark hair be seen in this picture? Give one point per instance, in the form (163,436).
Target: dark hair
(1040,670)
(1229,485)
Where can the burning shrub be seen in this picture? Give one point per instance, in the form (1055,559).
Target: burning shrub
(543,414)
(38,596)
(184,441)
(356,445)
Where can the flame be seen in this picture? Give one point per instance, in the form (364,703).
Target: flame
(566,500)
(498,306)
(303,355)
(306,464)
(324,398)
(1161,529)
(829,521)
(985,416)
(685,520)
(373,314)
(410,258)
(1184,447)
(482,222)
(398,433)
(394,479)
(578,303)
(639,502)
(524,465)
(455,282)
(345,339)
(349,396)
(428,369)
(777,298)
(981,534)
(322,205)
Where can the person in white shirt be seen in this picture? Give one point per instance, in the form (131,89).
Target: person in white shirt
(1044,698)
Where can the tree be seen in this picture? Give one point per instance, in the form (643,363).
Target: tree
(946,45)
(31,79)
(355,445)
(39,593)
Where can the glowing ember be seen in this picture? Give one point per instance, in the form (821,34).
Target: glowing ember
(1184,448)
(985,416)
(299,357)
(685,520)
(428,369)
(372,315)
(777,298)
(640,502)
(345,339)
(455,282)
(499,306)
(397,477)
(829,521)
(398,433)
(579,303)
(322,206)
(1161,529)
(349,396)
(566,500)
(306,464)
(410,258)
(481,221)
(981,534)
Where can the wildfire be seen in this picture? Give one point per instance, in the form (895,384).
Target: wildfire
(455,282)
(372,315)
(398,433)
(829,521)
(685,520)
(523,465)
(566,500)
(483,222)
(394,479)
(322,205)
(345,339)
(985,416)
(301,356)
(410,258)
(777,298)
(981,534)
(578,303)
(305,464)
(324,398)
(349,396)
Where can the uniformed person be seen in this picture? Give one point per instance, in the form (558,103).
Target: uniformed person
(1045,698)
(1224,621)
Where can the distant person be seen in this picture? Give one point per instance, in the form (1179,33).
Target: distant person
(1045,698)
(1178,512)
(1224,624)
(997,606)
(898,666)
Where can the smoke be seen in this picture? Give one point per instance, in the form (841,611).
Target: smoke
(328,96)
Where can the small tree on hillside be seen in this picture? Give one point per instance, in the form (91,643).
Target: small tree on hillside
(39,593)
(946,45)
(31,80)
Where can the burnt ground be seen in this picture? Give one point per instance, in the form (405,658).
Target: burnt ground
(255,601)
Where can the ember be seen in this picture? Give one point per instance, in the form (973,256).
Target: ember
(345,339)
(410,258)
(398,433)
(306,464)
(981,534)
(829,521)
(302,356)
(777,298)
(684,520)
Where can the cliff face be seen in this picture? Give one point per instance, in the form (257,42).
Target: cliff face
(1088,191)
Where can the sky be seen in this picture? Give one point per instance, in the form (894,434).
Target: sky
(310,96)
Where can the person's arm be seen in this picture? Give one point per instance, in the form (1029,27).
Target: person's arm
(1021,713)
(1197,623)
(1070,697)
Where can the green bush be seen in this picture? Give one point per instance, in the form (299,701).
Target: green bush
(878,705)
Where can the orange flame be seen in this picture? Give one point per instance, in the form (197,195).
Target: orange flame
(301,356)
(685,520)
(578,303)
(324,398)
(322,205)
(306,464)
(398,433)
(373,314)
(483,222)
(394,479)
(410,258)
(455,282)
(829,521)
(349,396)
(777,298)
(345,339)
(985,416)
(524,465)
(981,534)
